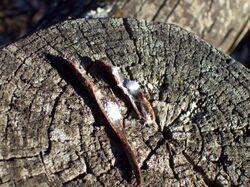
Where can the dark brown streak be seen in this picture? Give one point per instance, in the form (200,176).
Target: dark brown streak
(140,104)
(148,107)
(103,62)
(117,126)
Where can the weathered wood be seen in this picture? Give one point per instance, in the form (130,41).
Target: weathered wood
(221,23)
(50,132)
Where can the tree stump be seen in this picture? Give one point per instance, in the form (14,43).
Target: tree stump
(51,134)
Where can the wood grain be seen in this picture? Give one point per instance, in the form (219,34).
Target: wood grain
(51,134)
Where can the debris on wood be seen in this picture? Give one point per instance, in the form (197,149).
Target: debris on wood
(132,91)
(111,111)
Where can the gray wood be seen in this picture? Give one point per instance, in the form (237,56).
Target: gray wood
(51,136)
(222,23)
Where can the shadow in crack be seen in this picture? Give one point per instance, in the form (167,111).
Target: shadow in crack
(60,64)
(97,71)
(121,160)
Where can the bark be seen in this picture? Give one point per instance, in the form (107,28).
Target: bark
(51,134)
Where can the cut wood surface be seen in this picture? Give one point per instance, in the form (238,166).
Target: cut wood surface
(51,132)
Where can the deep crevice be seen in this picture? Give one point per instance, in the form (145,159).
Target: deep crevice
(61,66)
(209,182)
(90,171)
(86,38)
(171,162)
(52,115)
(43,163)
(131,37)
(152,152)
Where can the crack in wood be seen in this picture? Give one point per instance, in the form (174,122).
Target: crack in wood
(52,115)
(216,107)
(209,182)
(127,27)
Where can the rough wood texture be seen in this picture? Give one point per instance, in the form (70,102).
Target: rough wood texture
(222,23)
(50,134)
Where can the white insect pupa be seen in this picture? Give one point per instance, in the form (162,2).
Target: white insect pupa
(110,110)
(132,91)
(113,111)
(132,86)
